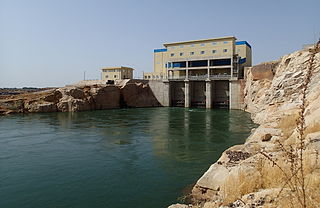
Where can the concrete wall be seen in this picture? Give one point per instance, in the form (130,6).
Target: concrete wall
(161,91)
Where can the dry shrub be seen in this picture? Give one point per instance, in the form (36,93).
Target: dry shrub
(271,177)
(240,182)
(299,165)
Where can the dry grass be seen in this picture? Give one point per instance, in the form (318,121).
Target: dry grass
(240,182)
(298,167)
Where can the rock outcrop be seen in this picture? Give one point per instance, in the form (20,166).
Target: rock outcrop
(260,172)
(138,94)
(66,99)
(128,93)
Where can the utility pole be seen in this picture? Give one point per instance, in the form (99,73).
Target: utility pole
(84,75)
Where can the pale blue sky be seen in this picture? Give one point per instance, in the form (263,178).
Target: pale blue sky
(52,42)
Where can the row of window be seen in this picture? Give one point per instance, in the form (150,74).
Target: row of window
(201,52)
(153,76)
(115,76)
(202,44)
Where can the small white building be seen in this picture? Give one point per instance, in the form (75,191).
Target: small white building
(116,73)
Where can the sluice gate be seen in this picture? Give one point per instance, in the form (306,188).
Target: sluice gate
(198,94)
(204,94)
(177,92)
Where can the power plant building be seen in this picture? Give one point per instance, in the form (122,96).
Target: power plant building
(202,72)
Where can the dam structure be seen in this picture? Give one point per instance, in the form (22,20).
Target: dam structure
(202,73)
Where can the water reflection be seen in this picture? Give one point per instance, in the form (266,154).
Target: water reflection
(115,157)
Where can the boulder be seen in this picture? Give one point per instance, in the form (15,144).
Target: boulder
(264,71)
(106,97)
(138,95)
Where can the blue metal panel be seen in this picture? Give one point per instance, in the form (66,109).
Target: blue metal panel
(243,43)
(242,61)
(160,50)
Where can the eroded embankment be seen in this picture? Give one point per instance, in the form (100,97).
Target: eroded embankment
(278,164)
(131,93)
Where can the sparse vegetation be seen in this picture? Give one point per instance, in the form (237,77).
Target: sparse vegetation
(300,186)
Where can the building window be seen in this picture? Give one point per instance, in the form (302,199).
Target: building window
(181,46)
(172,47)
(172,54)
(157,76)
(192,53)
(202,44)
(106,76)
(149,77)
(115,76)
(145,77)
(225,50)
(238,50)
(214,51)
(201,52)
(181,54)
(225,42)
(214,43)
(192,45)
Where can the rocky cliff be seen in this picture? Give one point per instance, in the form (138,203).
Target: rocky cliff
(130,93)
(278,164)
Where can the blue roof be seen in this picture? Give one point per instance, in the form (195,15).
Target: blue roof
(243,43)
(160,50)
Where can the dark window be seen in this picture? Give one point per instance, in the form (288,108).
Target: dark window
(179,64)
(220,62)
(198,63)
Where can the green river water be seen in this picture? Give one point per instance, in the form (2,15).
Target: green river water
(123,158)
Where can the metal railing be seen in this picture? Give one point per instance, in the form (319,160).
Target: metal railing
(201,77)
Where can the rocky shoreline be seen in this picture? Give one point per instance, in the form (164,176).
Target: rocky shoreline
(81,98)
(256,174)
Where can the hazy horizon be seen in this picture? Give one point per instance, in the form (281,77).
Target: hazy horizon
(51,43)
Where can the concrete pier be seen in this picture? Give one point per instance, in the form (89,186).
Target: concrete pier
(187,100)
(208,94)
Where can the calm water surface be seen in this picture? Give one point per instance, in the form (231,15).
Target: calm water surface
(124,158)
